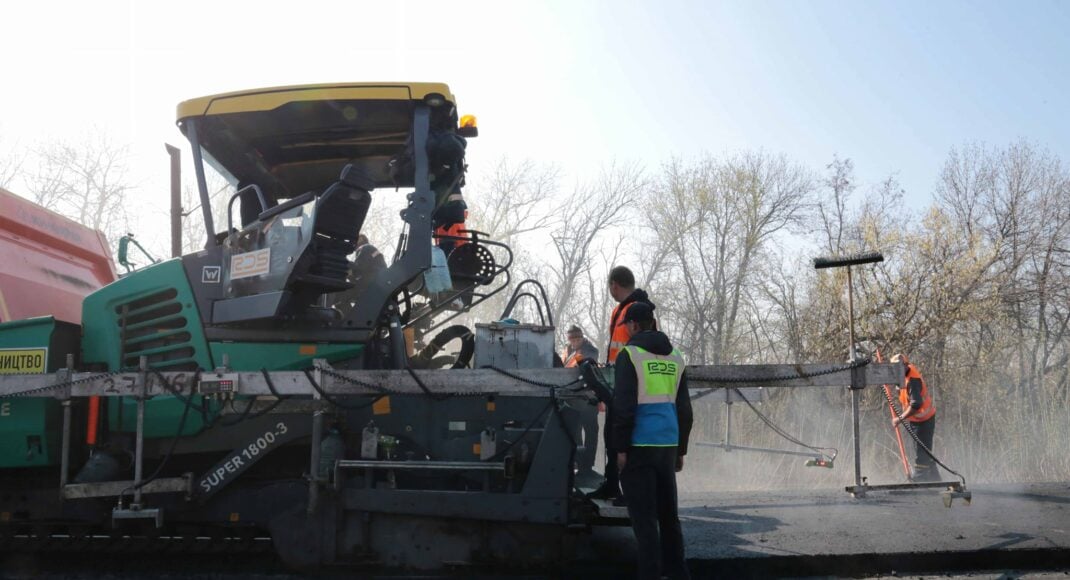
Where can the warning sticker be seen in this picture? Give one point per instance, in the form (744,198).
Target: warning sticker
(23,361)
(250,264)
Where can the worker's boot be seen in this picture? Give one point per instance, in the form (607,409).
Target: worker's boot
(588,478)
(925,474)
(608,490)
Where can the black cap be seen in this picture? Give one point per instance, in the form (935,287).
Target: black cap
(639,312)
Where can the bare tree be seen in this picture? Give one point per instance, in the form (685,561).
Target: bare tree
(512,203)
(832,208)
(10,164)
(512,199)
(585,216)
(219,192)
(715,220)
(87,182)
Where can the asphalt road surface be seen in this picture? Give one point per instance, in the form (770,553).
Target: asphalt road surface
(1004,532)
(827,532)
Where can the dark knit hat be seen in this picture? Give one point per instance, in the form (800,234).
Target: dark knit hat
(639,312)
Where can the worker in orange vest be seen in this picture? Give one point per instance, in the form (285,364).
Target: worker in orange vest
(578,348)
(576,351)
(622,289)
(445,232)
(920,414)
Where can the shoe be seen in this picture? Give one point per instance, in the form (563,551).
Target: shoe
(619,501)
(588,478)
(606,491)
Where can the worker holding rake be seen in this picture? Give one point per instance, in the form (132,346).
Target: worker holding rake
(920,414)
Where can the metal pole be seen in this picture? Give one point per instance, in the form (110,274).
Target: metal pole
(851,313)
(65,455)
(202,183)
(176,199)
(856,390)
(727,424)
(855,397)
(755,449)
(314,462)
(139,443)
(65,452)
(857,384)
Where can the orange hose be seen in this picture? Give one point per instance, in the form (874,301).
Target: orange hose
(93,422)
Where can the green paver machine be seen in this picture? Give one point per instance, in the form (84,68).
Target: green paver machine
(273,384)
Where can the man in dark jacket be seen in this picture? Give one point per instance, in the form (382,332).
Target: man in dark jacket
(576,351)
(622,289)
(367,262)
(651,425)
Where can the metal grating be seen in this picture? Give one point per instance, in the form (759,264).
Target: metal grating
(156,326)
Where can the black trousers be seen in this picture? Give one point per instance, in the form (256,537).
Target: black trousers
(611,471)
(649,482)
(583,424)
(924,466)
(589,427)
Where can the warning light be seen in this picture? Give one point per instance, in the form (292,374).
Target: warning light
(467,127)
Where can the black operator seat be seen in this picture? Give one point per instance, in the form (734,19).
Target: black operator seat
(339,217)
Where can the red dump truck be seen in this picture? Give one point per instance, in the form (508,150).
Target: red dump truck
(48,263)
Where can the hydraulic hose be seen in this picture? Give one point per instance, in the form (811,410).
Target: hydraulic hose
(913,435)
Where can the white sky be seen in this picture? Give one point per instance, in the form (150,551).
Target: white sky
(577,84)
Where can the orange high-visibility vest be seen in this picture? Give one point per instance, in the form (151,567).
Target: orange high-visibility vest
(618,331)
(454,230)
(927,409)
(572,360)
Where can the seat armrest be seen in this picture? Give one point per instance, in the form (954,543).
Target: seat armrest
(287,206)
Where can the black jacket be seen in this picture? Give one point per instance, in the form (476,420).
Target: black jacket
(626,392)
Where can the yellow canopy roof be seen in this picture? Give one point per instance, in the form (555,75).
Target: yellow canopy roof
(270,98)
(295,139)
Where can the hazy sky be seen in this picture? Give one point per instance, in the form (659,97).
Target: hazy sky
(892,85)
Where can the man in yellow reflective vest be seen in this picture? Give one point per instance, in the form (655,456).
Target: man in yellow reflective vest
(919,411)
(651,425)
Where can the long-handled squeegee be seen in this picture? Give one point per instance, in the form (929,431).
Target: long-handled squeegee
(848,261)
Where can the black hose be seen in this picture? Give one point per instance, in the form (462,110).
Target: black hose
(330,399)
(468,345)
(910,431)
(201,408)
(174,440)
(531,425)
(776,429)
(534,382)
(423,387)
(245,414)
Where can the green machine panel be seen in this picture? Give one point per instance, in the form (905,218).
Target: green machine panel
(151,312)
(30,428)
